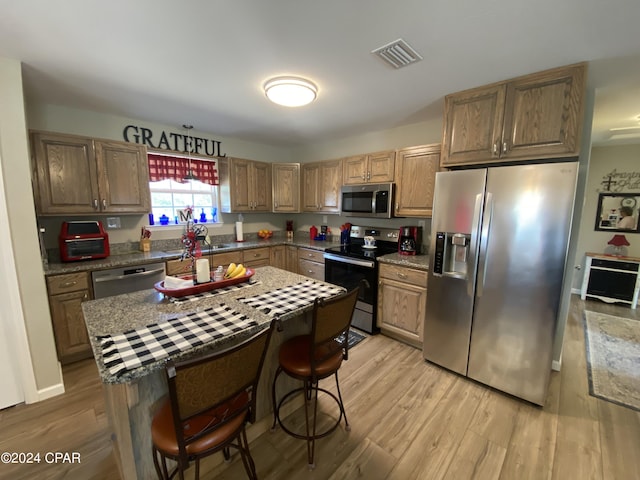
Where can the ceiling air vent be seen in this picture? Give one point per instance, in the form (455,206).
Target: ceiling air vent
(398,54)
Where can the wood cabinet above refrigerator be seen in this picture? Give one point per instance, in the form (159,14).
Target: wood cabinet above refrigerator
(75,175)
(532,117)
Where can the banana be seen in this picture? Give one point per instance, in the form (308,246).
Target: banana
(241,272)
(230,269)
(237,271)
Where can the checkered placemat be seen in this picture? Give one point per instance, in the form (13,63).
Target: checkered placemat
(217,291)
(283,300)
(146,345)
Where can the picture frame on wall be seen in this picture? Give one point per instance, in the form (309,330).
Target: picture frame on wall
(618,212)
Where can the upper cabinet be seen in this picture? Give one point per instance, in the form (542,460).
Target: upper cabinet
(533,117)
(286,187)
(415,175)
(369,168)
(245,185)
(80,175)
(321,182)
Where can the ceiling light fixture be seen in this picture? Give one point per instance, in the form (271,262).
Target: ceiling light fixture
(290,91)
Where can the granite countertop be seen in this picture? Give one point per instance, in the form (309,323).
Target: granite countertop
(136,257)
(115,315)
(420,262)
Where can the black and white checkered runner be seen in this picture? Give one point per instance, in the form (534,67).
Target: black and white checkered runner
(283,300)
(217,291)
(146,345)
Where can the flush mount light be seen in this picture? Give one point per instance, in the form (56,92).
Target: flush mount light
(290,91)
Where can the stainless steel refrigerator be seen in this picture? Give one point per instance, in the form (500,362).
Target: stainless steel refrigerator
(499,241)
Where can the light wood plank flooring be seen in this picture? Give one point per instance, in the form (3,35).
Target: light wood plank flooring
(409,419)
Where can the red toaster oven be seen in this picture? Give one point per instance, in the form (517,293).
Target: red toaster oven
(83,241)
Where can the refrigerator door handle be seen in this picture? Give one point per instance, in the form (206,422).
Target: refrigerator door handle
(484,240)
(475,226)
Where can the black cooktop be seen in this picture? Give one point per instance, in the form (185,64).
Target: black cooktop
(357,250)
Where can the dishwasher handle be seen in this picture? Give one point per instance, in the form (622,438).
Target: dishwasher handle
(130,275)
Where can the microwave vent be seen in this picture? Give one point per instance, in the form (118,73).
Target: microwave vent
(398,54)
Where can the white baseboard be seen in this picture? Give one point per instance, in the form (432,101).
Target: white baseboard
(576,291)
(555,365)
(52,391)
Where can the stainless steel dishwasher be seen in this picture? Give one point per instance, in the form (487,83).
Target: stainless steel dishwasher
(131,278)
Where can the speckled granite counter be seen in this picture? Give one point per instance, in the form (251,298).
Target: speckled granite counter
(420,262)
(132,399)
(137,258)
(115,315)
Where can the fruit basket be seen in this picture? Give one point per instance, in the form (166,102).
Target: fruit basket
(265,234)
(202,287)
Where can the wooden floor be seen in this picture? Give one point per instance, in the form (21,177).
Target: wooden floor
(409,419)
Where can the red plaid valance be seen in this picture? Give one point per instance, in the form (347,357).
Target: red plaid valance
(164,167)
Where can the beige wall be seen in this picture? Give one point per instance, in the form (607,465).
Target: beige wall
(622,158)
(23,230)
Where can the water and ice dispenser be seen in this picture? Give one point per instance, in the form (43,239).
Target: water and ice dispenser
(451,254)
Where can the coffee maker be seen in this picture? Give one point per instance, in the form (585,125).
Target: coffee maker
(410,240)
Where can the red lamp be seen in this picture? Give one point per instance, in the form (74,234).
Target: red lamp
(618,241)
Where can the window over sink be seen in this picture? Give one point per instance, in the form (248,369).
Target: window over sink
(169,196)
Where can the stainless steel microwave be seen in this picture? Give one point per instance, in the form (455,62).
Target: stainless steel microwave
(369,200)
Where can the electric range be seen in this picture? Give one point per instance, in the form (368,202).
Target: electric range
(355,264)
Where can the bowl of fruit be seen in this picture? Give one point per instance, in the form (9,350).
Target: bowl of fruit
(265,233)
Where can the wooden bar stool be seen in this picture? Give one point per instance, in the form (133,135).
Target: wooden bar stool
(211,398)
(310,358)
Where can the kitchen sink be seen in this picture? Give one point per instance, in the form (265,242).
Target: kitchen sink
(207,249)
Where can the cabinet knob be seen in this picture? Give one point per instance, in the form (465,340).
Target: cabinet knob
(368,175)
(95,203)
(504,147)
(402,275)
(104,203)
(69,284)
(495,149)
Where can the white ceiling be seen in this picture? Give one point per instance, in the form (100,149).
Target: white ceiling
(203,62)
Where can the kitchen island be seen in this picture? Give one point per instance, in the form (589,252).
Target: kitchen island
(132,396)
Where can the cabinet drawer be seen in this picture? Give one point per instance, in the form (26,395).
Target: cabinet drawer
(311,255)
(254,254)
(404,274)
(71,282)
(225,259)
(179,267)
(314,270)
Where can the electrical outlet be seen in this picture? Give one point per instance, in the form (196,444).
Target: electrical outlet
(113,222)
(324,219)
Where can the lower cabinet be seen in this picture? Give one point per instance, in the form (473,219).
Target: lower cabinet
(311,263)
(256,257)
(66,294)
(402,300)
(278,256)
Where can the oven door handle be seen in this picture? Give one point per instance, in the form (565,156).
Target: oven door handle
(351,261)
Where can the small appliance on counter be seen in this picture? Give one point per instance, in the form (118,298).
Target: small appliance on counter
(83,241)
(410,240)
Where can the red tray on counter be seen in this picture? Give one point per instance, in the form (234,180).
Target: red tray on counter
(201,287)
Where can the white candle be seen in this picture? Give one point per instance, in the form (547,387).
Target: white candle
(202,270)
(239,237)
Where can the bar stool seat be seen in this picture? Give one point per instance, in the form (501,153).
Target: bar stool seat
(311,358)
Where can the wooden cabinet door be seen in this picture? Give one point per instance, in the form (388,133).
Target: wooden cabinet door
(381,166)
(123,177)
(72,340)
(329,187)
(292,259)
(240,183)
(260,182)
(65,173)
(543,114)
(473,122)
(310,183)
(355,170)
(286,187)
(401,309)
(278,256)
(415,175)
